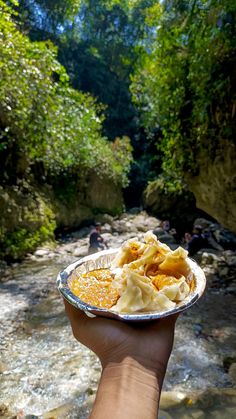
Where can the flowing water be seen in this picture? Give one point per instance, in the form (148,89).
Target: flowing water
(45,373)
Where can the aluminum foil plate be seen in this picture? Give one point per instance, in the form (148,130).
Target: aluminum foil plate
(103,259)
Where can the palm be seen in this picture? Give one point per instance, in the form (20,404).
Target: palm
(113,340)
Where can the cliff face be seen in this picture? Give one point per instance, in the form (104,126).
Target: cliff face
(30,214)
(178,207)
(94,196)
(215,185)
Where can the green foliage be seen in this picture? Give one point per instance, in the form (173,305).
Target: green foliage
(28,221)
(18,243)
(168,185)
(48,132)
(185,82)
(42,118)
(97,45)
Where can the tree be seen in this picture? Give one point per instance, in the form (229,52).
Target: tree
(42,119)
(185,82)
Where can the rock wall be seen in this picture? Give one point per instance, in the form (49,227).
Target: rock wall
(94,196)
(31,213)
(215,185)
(178,207)
(27,220)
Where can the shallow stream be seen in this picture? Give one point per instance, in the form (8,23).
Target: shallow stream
(45,373)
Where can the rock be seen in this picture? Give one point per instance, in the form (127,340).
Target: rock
(230,258)
(106,228)
(208,258)
(5,412)
(197,414)
(3,267)
(232,373)
(170,399)
(104,219)
(164,415)
(99,194)
(214,396)
(135,210)
(82,232)
(90,391)
(28,219)
(228,395)
(232,289)
(133,223)
(223,271)
(217,196)
(41,252)
(81,251)
(203,222)
(197,329)
(3,367)
(190,414)
(59,412)
(228,361)
(179,208)
(225,413)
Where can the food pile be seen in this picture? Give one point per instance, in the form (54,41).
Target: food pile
(144,277)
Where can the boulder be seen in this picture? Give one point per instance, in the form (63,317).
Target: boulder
(177,206)
(94,196)
(214,185)
(232,373)
(28,220)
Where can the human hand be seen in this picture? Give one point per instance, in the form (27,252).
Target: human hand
(112,341)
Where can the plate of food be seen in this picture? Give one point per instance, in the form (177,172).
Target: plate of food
(140,281)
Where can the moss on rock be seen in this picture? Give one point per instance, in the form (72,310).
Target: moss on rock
(28,221)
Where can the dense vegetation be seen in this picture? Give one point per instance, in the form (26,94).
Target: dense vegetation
(82,82)
(43,120)
(185,82)
(49,131)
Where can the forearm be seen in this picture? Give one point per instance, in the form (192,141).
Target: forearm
(128,390)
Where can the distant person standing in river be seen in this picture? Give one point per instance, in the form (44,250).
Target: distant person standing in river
(96,241)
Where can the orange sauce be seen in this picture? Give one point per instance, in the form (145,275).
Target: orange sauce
(95,288)
(162,280)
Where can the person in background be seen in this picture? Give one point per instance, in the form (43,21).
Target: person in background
(186,239)
(166,225)
(133,358)
(197,241)
(96,241)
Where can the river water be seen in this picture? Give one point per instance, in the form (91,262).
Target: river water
(45,373)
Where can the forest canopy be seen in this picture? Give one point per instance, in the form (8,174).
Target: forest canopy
(44,121)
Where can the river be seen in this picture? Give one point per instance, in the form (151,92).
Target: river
(45,373)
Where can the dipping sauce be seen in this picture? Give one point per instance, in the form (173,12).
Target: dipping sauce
(95,288)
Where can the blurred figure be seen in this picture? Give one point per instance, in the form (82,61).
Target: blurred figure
(96,241)
(166,225)
(197,241)
(186,239)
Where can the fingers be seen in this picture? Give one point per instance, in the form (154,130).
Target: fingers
(78,319)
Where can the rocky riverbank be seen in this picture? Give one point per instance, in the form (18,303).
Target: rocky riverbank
(45,373)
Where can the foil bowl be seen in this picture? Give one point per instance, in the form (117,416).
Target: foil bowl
(103,259)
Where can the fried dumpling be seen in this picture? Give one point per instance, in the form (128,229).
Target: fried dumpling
(148,276)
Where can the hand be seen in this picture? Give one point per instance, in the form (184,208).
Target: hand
(134,359)
(112,341)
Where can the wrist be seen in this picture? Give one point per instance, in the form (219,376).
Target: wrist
(136,366)
(135,361)
(128,389)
